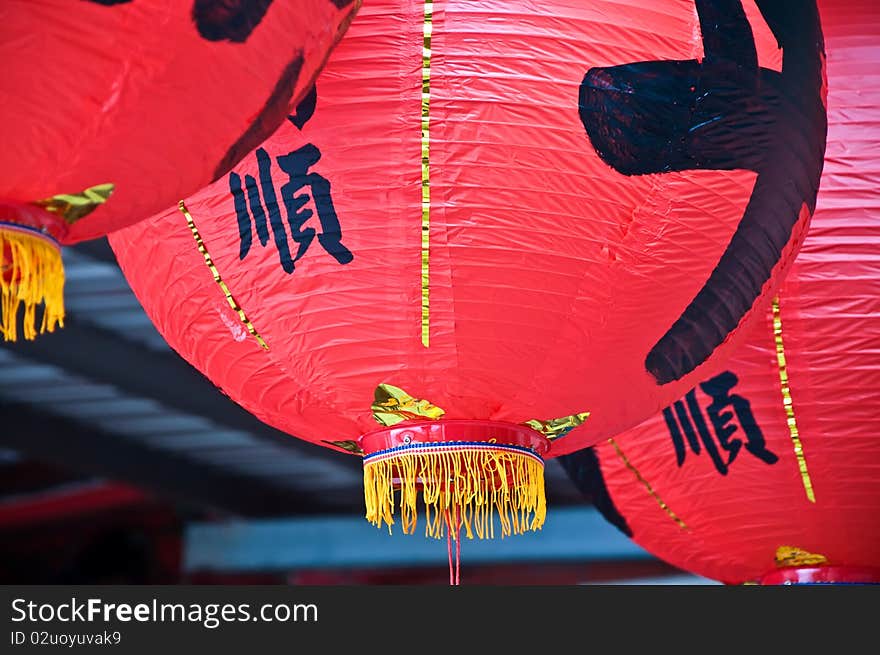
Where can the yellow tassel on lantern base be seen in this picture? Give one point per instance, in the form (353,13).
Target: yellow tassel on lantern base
(31,273)
(472,485)
(469,487)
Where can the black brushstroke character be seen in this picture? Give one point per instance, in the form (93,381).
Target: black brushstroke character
(724,112)
(685,421)
(235,21)
(305,109)
(296,165)
(222,20)
(228,20)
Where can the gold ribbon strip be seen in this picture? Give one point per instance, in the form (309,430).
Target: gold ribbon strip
(347,445)
(647,486)
(391,405)
(74,206)
(226,292)
(558,427)
(426,190)
(787,403)
(794,556)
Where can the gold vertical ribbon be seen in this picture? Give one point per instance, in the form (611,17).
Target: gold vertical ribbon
(226,292)
(647,486)
(426,190)
(787,403)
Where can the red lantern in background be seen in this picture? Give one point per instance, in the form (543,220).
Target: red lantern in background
(770,471)
(146,100)
(474,235)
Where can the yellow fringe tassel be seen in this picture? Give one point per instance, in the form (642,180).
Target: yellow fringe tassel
(32,273)
(470,484)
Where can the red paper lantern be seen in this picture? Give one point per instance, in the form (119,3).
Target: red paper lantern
(147,100)
(502,214)
(770,471)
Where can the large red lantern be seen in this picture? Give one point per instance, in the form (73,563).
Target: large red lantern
(114,110)
(495,224)
(770,471)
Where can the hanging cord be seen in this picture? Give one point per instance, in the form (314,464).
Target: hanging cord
(454,572)
(457,549)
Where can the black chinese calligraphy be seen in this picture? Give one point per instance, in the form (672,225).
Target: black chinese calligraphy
(270,116)
(688,426)
(223,20)
(305,109)
(258,209)
(229,20)
(722,112)
(266,212)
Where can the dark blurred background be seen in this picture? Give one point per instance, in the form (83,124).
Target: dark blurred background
(121,464)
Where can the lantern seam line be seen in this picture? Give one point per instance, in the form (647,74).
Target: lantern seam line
(219,280)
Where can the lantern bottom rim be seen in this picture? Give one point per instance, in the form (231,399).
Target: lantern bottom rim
(825,574)
(448,431)
(466,474)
